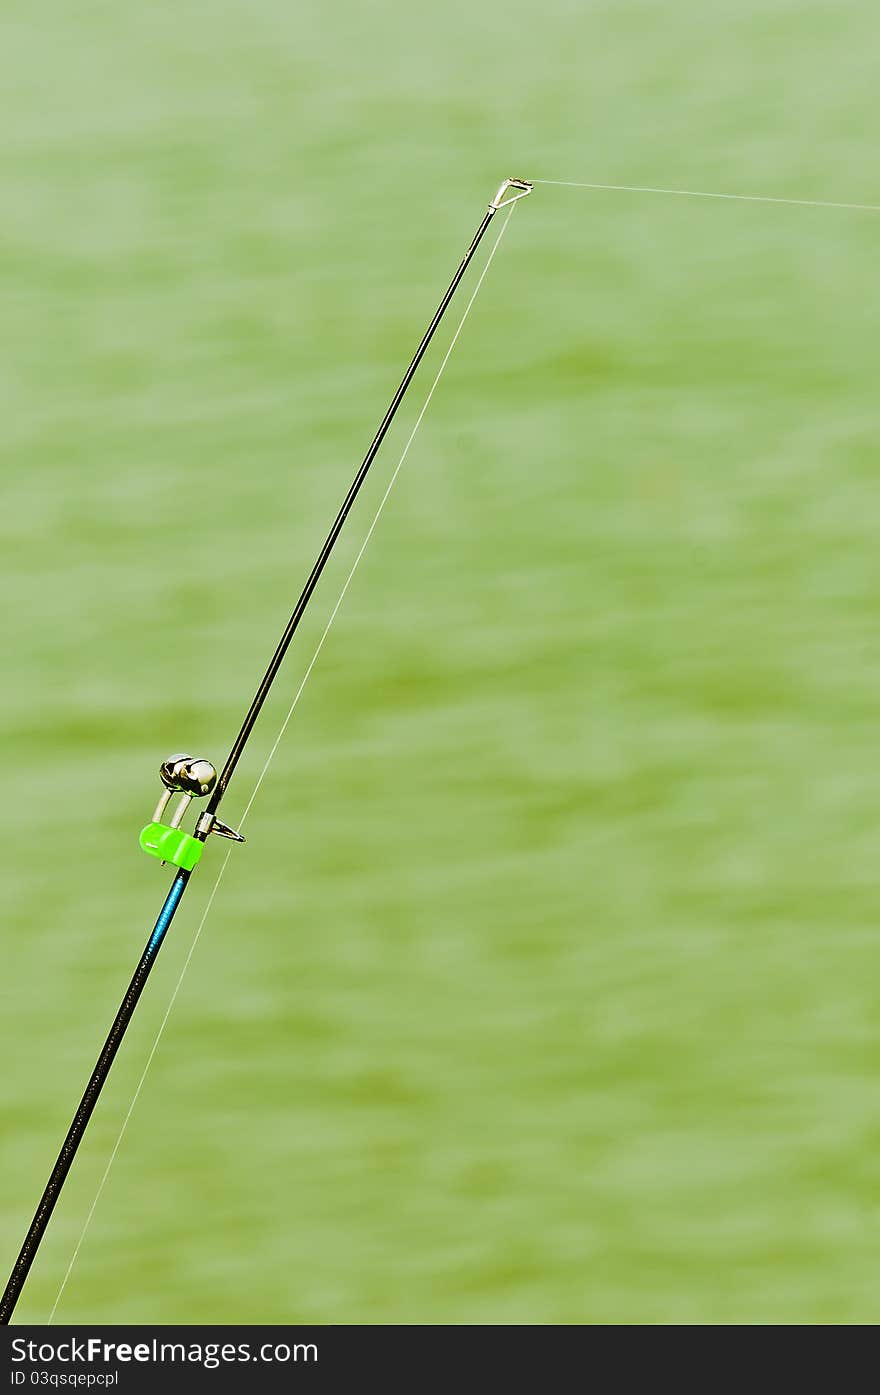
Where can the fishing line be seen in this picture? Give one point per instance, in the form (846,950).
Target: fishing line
(710,194)
(271,756)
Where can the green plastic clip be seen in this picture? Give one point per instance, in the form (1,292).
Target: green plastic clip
(171,845)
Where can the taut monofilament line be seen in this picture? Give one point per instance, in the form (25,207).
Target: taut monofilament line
(192,778)
(710,194)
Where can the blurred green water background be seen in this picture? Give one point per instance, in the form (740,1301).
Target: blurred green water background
(544,988)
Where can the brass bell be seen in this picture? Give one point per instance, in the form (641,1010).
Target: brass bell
(190,777)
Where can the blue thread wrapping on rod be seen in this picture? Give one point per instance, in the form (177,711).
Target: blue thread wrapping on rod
(166,914)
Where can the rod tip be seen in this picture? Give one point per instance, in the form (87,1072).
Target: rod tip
(523,186)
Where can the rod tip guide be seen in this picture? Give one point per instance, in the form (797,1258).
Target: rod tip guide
(523,186)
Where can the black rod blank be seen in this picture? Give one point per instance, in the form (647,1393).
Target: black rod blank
(277,659)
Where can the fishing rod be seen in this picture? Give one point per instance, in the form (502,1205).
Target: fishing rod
(194,778)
